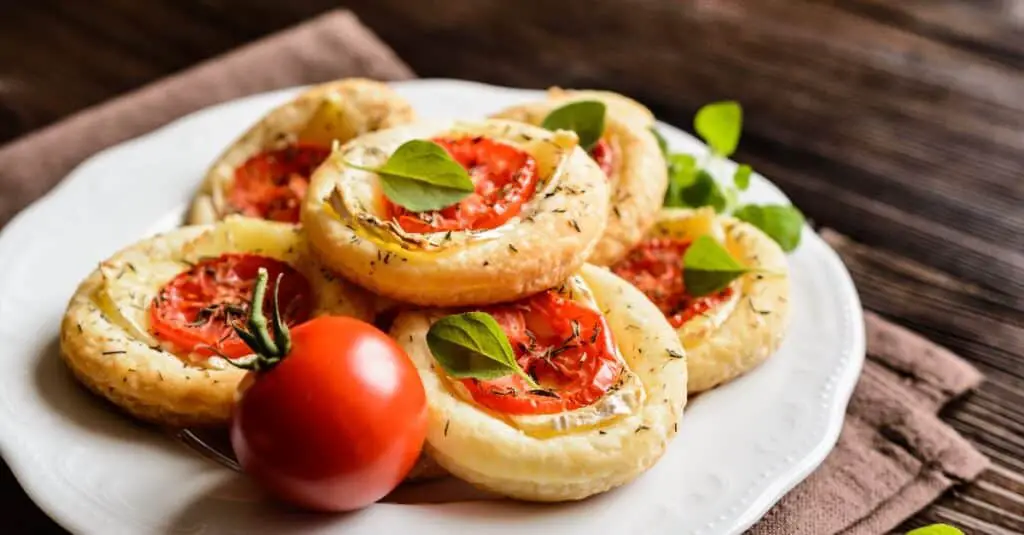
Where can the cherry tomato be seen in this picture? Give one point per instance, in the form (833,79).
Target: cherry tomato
(504,177)
(192,311)
(337,423)
(272,184)
(564,345)
(655,267)
(603,153)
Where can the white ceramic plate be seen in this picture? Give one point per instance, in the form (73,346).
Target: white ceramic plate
(739,449)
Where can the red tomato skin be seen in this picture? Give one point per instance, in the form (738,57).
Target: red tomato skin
(226,278)
(338,423)
(605,157)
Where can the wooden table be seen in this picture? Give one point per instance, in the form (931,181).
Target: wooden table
(900,124)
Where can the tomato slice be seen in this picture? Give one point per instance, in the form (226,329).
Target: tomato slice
(504,178)
(566,347)
(655,266)
(272,184)
(604,154)
(193,311)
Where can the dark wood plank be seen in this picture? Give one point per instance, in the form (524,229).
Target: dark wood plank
(900,124)
(990,28)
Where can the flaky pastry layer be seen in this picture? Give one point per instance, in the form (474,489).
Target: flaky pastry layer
(106,340)
(488,451)
(550,237)
(725,343)
(365,106)
(639,179)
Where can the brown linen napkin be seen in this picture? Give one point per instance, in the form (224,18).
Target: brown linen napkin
(894,455)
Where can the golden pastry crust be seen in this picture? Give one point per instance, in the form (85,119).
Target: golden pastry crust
(640,177)
(362,106)
(744,331)
(105,336)
(550,238)
(491,453)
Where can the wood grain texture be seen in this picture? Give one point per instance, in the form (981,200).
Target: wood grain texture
(899,124)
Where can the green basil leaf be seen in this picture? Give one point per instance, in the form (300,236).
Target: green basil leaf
(421,176)
(662,142)
(719,124)
(741,178)
(585,117)
(782,223)
(708,267)
(682,171)
(473,345)
(705,192)
(419,196)
(936,529)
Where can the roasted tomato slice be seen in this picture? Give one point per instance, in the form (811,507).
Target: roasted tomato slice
(565,346)
(604,154)
(655,266)
(505,178)
(271,184)
(194,310)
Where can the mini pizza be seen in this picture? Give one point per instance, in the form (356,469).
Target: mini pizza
(265,173)
(728,332)
(628,153)
(531,211)
(590,393)
(150,329)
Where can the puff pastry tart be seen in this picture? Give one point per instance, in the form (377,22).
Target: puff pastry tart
(598,395)
(728,332)
(537,207)
(265,172)
(149,329)
(629,155)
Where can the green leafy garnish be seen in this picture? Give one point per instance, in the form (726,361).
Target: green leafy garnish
(705,192)
(719,124)
(682,172)
(741,178)
(708,267)
(783,223)
(585,117)
(691,186)
(473,345)
(421,176)
(936,529)
(682,169)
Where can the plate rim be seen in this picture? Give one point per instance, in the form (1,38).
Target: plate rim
(781,483)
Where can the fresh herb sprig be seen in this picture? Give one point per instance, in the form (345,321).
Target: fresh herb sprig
(421,176)
(708,267)
(473,345)
(720,124)
(585,117)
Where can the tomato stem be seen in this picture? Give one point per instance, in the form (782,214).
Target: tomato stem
(281,334)
(268,350)
(257,321)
